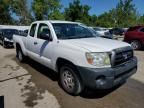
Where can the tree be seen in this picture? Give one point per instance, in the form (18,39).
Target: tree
(141,19)
(93,20)
(5,15)
(56,15)
(21,9)
(106,19)
(125,13)
(77,12)
(43,8)
(73,12)
(85,17)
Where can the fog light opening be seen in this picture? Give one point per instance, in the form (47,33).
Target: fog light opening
(100,81)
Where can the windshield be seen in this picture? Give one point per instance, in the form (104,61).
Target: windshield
(9,32)
(72,31)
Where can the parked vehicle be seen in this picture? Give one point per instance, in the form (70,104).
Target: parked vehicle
(135,36)
(102,32)
(79,57)
(117,31)
(23,32)
(26,31)
(95,33)
(6,37)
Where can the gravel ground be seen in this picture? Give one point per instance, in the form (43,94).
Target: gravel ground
(18,89)
(31,85)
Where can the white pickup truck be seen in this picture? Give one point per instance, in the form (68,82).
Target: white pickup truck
(79,57)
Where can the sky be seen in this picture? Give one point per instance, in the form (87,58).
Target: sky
(100,6)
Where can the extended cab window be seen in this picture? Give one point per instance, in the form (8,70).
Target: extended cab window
(32,31)
(43,29)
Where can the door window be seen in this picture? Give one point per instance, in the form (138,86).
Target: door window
(33,29)
(43,29)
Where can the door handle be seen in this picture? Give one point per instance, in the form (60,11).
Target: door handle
(35,43)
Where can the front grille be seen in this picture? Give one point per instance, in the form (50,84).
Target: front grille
(122,55)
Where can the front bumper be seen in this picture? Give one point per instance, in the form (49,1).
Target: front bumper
(8,43)
(107,78)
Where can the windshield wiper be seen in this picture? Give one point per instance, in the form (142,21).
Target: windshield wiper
(86,36)
(77,37)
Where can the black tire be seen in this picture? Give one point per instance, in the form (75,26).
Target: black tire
(3,44)
(20,55)
(136,45)
(76,87)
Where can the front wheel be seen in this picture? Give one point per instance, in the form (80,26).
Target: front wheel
(136,44)
(69,80)
(4,45)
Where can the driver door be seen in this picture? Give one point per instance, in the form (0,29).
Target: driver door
(44,46)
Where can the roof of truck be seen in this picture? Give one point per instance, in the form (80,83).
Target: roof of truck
(58,21)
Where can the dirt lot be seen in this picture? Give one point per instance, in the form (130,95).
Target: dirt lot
(31,85)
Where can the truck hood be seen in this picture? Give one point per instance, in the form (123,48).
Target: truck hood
(97,44)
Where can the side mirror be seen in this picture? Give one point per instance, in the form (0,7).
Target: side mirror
(45,36)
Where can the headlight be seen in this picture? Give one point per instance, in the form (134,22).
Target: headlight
(98,59)
(6,39)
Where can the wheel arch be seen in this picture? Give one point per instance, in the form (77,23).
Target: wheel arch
(135,39)
(61,61)
(18,45)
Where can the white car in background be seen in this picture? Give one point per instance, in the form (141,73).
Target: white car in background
(103,32)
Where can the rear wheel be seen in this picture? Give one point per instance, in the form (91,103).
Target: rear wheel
(20,55)
(136,44)
(69,80)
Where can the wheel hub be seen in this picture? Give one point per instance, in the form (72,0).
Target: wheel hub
(68,80)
